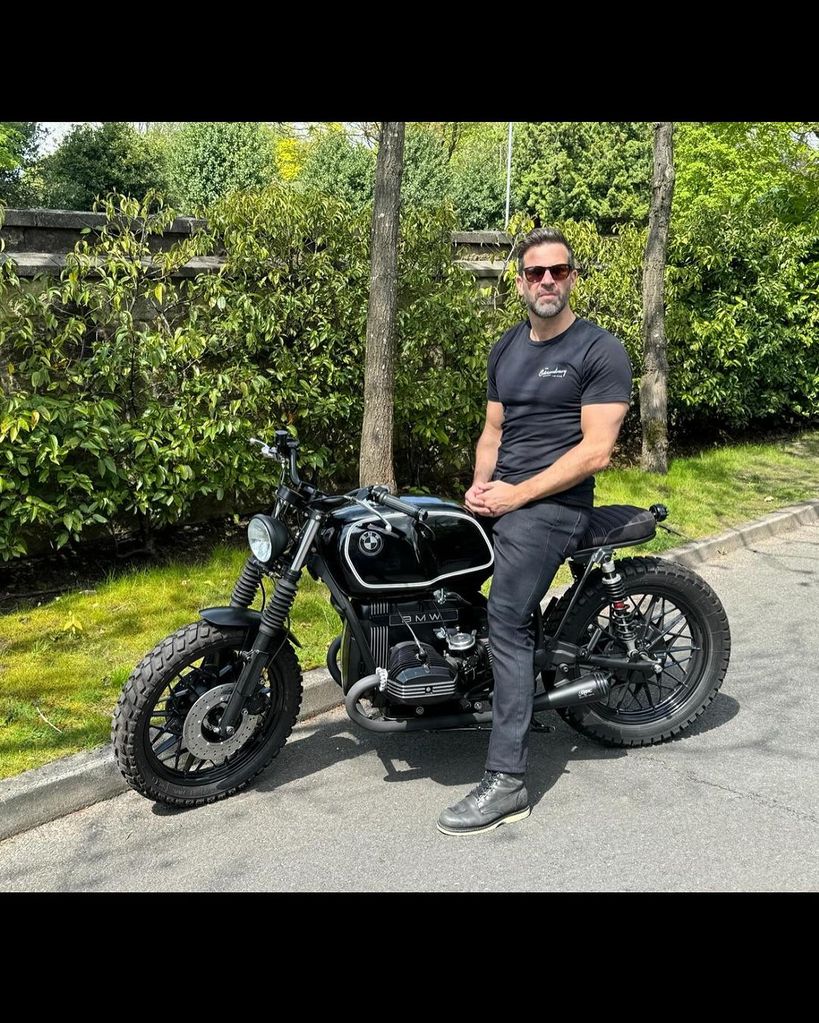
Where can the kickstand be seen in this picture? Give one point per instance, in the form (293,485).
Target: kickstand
(537,726)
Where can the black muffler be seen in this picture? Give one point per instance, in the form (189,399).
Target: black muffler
(588,688)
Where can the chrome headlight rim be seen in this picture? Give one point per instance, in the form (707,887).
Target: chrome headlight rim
(260,537)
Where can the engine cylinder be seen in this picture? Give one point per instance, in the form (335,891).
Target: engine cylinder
(419,677)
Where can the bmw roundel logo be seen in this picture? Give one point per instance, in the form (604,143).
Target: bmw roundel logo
(370,543)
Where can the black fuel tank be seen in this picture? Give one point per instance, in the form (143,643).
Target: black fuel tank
(367,559)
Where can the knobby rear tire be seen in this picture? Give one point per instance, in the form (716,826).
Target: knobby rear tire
(704,622)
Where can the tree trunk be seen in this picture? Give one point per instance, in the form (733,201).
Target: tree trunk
(654,383)
(376,465)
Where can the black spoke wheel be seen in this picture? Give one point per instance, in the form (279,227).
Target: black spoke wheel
(164,725)
(677,618)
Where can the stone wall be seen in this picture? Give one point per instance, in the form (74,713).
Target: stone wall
(38,241)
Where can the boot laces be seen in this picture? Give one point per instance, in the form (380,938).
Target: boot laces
(485,786)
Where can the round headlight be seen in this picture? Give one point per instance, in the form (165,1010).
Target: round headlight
(260,539)
(267,537)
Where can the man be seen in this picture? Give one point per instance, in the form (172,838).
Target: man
(558,391)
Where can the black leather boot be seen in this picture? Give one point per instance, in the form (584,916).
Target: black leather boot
(498,799)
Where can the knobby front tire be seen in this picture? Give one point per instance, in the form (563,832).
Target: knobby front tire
(147,730)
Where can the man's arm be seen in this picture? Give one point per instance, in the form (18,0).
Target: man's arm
(486,456)
(600,425)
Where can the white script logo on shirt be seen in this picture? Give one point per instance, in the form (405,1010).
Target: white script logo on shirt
(546,372)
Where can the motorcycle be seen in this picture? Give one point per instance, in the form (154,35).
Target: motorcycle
(630,655)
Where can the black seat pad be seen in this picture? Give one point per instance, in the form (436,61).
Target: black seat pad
(616,525)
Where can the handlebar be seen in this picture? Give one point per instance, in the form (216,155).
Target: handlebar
(285,448)
(382,496)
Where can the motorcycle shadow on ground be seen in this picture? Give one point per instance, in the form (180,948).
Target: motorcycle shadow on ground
(454,759)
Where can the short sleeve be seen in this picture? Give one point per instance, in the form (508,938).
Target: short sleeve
(606,373)
(491,385)
(497,350)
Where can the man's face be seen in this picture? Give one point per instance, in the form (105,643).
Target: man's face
(547,297)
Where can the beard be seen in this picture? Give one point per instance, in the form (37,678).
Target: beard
(547,306)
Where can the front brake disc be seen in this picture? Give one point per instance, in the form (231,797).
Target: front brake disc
(199,729)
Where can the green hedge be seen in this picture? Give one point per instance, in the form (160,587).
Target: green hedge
(128,395)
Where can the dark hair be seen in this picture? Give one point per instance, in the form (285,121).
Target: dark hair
(542,236)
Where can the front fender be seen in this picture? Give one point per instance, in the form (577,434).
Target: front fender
(238,618)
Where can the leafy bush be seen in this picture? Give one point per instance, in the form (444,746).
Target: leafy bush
(742,321)
(582,170)
(93,161)
(19,144)
(92,420)
(209,159)
(129,396)
(336,165)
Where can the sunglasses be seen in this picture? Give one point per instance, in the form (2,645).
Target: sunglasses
(559,272)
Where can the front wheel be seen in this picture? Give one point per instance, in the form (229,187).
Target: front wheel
(678,618)
(163,725)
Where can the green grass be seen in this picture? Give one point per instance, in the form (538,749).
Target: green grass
(66,662)
(720,488)
(63,664)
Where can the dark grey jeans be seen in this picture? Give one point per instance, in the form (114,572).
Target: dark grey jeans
(530,545)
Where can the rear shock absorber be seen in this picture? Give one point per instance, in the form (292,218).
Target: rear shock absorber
(247,585)
(620,607)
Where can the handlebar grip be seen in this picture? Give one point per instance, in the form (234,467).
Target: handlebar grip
(382,497)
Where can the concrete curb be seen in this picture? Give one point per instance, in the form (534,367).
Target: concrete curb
(694,553)
(72,783)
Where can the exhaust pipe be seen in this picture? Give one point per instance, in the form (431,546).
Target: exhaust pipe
(588,689)
(364,685)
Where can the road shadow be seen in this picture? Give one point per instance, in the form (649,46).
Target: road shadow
(454,759)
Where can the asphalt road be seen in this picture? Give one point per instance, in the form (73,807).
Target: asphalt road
(731,806)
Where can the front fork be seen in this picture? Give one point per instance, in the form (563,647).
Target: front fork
(271,629)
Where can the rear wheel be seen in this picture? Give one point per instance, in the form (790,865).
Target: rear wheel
(163,730)
(678,618)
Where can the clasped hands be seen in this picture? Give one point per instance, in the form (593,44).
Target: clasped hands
(494,498)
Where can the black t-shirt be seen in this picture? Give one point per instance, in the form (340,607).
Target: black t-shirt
(543,385)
